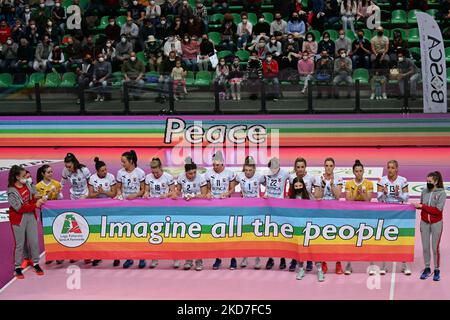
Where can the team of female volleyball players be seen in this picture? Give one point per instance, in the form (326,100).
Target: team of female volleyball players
(131,182)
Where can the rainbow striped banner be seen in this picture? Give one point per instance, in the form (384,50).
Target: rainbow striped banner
(291,130)
(236,227)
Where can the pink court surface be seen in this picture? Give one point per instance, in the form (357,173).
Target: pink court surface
(164,282)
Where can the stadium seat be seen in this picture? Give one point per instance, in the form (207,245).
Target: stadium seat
(216,18)
(37,77)
(236,18)
(447,54)
(203,78)
(69,79)
(367,34)
(215,37)
(141,57)
(433,13)
(252,18)
(333,34)
(398,17)
(103,23)
(121,20)
(412,18)
(190,79)
(413,36)
(243,55)
(448,75)
(117,78)
(349,34)
(362,75)
(52,80)
(268,16)
(5,80)
(267,5)
(224,54)
(316,34)
(152,74)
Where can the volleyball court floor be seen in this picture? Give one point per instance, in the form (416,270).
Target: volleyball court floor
(164,282)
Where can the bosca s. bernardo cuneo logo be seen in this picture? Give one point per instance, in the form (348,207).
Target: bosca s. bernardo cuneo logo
(70,229)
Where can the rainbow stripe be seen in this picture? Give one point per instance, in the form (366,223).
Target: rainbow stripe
(294,130)
(208,213)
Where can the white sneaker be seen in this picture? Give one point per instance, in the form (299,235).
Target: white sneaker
(188,265)
(303,91)
(384,96)
(102,98)
(300,274)
(257,263)
(176,264)
(372,271)
(320,275)
(244,262)
(405,269)
(97,98)
(198,265)
(348,269)
(239,97)
(383,269)
(153,264)
(372,96)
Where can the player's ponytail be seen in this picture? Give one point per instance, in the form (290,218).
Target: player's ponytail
(70,158)
(155,163)
(131,157)
(357,164)
(437,176)
(98,163)
(189,164)
(41,172)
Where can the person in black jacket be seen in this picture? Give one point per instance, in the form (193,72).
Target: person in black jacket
(254,73)
(165,69)
(262,26)
(25,56)
(206,50)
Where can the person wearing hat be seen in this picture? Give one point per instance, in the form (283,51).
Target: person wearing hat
(153,52)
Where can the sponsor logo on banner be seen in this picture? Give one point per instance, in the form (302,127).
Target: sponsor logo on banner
(70,229)
(415,188)
(3,197)
(6,164)
(4,216)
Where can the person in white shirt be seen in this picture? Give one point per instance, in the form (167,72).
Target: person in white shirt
(393,188)
(221,184)
(130,185)
(329,187)
(191,185)
(275,181)
(159,185)
(173,44)
(244,31)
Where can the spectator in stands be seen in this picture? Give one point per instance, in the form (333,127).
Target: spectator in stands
(274,48)
(185,12)
(112,30)
(361,50)
(18,31)
(318,15)
(43,50)
(56,60)
(206,50)
(260,48)
(165,70)
(51,32)
(102,73)
(8,55)
(326,44)
(59,16)
(111,7)
(235,78)
(296,26)
(221,77)
(310,45)
(342,42)
(136,12)
(278,25)
(88,47)
(153,12)
(178,27)
(109,52)
(133,73)
(5,32)
(201,12)
(292,41)
(73,53)
(342,73)
(85,72)
(220,5)
(332,13)
(123,50)
(147,29)
(190,49)
(283,6)
(380,72)
(172,44)
(395,46)
(289,62)
(254,67)
(25,56)
(228,32)
(348,13)
(195,27)
(408,71)
(324,71)
(380,44)
(131,30)
(163,28)
(25,16)
(270,73)
(32,34)
(41,18)
(96,7)
(444,14)
(261,27)
(297,6)
(365,9)
(305,67)
(178,75)
(244,31)
(153,53)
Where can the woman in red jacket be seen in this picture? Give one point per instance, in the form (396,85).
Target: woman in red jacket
(23,219)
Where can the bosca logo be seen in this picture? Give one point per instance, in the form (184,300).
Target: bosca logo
(70,229)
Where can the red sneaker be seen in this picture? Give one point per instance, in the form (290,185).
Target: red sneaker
(26,263)
(324,267)
(339,268)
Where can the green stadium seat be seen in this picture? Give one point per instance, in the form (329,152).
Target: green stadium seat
(52,80)
(268,16)
(190,79)
(333,34)
(243,55)
(236,18)
(215,37)
(316,34)
(216,18)
(362,75)
(121,20)
(412,18)
(433,12)
(69,79)
(349,34)
(447,54)
(224,54)
(398,17)
(448,75)
(141,57)
(367,34)
(103,23)
(203,78)
(37,77)
(252,18)
(413,35)
(267,5)
(117,78)
(5,80)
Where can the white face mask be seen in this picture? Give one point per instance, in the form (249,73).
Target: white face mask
(135,3)
(101,59)
(261,20)
(342,36)
(23,181)
(273,41)
(27,10)
(112,23)
(343,55)
(305,57)
(49,23)
(163,21)
(244,20)
(29,180)
(9,42)
(269,59)
(222,63)
(58,4)
(401,59)
(108,45)
(291,40)
(124,40)
(133,59)
(42,5)
(309,39)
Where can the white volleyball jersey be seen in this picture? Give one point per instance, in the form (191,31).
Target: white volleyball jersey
(78,182)
(159,186)
(327,193)
(220,182)
(310,181)
(191,187)
(276,184)
(105,183)
(400,182)
(250,187)
(131,181)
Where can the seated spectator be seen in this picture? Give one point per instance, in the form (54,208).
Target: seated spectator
(289,62)
(185,12)
(324,72)
(278,25)
(342,42)
(228,32)
(395,46)
(348,13)
(252,6)
(109,52)
(235,78)
(361,50)
(169,7)
(25,16)
(408,71)
(201,13)
(25,56)
(172,44)
(165,71)
(380,72)
(153,12)
(332,13)
(131,31)
(56,60)
(112,30)
(8,55)
(220,78)
(32,34)
(380,44)
(318,15)
(178,27)
(274,48)
(220,5)
(88,47)
(190,50)
(163,29)
(305,67)
(153,53)
(254,69)
(147,29)
(136,12)
(260,48)
(85,72)
(365,9)
(326,44)
(43,50)
(123,50)
(244,32)
(179,77)
(296,44)
(133,73)
(261,27)
(18,31)
(270,73)
(310,45)
(102,73)
(296,26)
(195,27)
(59,16)
(52,33)
(5,32)
(342,73)
(206,50)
